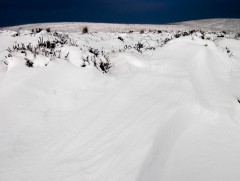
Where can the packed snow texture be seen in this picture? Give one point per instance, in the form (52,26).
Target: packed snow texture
(169,112)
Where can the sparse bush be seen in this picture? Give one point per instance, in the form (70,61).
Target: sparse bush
(73,42)
(29,63)
(177,35)
(139,46)
(192,31)
(44,48)
(185,33)
(120,38)
(48,30)
(48,49)
(5,62)
(85,30)
(237,36)
(230,54)
(94,51)
(51,46)
(141,31)
(165,41)
(151,31)
(38,30)
(105,66)
(227,49)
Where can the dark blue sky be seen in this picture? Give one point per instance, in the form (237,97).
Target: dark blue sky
(15,12)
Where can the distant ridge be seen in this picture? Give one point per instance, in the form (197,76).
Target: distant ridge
(232,25)
(214,24)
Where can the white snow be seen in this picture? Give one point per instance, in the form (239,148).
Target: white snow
(169,114)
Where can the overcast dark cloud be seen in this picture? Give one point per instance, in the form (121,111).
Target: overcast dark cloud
(14,12)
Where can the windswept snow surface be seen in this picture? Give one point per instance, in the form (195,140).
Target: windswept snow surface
(169,114)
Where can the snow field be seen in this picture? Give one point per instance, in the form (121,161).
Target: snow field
(166,114)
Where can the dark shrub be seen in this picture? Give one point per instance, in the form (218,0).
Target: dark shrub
(185,33)
(192,31)
(177,35)
(48,30)
(48,44)
(85,30)
(38,30)
(141,31)
(29,63)
(94,51)
(120,38)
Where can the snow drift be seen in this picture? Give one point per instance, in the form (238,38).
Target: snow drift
(165,114)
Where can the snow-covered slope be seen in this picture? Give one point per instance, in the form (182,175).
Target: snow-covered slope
(168,111)
(214,24)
